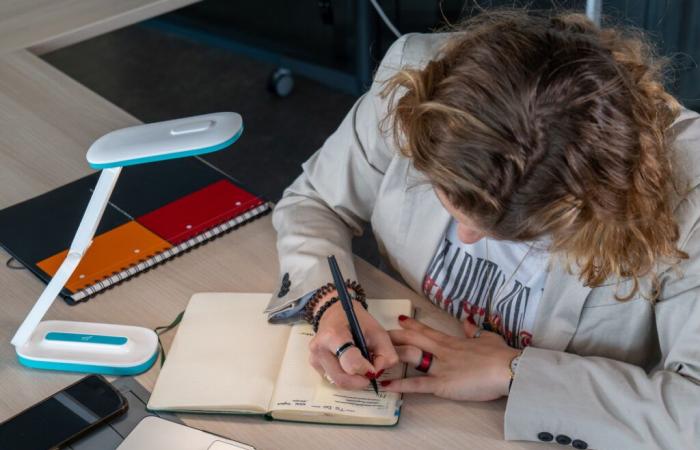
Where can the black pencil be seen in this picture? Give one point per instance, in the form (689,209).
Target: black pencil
(355,329)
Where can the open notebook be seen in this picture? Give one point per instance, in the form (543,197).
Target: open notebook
(226,358)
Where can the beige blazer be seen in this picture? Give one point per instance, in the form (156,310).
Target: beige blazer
(611,375)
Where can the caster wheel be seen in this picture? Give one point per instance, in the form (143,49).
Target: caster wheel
(281,82)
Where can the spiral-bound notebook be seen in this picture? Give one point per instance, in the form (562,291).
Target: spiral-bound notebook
(156,212)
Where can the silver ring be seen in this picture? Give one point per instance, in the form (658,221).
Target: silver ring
(478,333)
(344,348)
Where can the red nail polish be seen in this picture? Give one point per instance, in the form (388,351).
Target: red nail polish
(385,383)
(402,318)
(470,319)
(371,375)
(379,374)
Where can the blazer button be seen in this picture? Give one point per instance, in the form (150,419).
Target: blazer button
(545,437)
(563,439)
(284,290)
(579,444)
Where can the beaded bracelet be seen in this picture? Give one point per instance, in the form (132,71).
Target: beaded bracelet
(359,294)
(317,318)
(311,305)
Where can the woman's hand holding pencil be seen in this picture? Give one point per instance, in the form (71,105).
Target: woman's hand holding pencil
(350,370)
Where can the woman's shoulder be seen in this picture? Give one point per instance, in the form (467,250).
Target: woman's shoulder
(685,133)
(420,48)
(412,50)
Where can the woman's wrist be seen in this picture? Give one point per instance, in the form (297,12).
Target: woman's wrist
(327,292)
(323,300)
(321,296)
(509,358)
(326,298)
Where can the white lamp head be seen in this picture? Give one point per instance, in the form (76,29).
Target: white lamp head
(165,140)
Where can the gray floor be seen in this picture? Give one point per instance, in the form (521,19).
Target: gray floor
(156,76)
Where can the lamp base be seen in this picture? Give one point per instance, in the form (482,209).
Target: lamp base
(90,348)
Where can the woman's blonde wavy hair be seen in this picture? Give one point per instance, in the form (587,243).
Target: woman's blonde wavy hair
(549,126)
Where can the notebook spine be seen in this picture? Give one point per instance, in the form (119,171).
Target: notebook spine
(170,253)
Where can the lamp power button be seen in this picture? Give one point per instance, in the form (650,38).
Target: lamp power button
(192,127)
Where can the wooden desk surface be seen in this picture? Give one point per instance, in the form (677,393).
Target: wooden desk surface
(45,25)
(47,122)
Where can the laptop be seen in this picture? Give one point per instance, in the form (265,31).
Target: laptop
(154,433)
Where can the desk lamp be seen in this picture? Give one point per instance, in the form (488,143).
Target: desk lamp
(99,347)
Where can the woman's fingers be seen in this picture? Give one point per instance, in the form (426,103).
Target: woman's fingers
(385,355)
(411,324)
(470,329)
(409,354)
(416,339)
(473,331)
(315,362)
(334,373)
(418,385)
(334,332)
(351,360)
(348,371)
(413,356)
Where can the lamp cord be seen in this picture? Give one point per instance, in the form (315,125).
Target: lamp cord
(384,18)
(9,264)
(164,329)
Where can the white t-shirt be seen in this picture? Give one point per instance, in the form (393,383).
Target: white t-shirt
(503,279)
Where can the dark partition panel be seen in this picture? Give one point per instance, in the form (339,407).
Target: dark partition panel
(327,33)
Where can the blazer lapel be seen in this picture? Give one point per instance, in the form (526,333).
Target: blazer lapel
(559,309)
(427,222)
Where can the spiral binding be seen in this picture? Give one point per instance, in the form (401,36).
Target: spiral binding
(170,253)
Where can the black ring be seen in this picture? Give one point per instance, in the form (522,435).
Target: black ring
(343,348)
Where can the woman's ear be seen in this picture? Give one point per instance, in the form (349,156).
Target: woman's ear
(469,234)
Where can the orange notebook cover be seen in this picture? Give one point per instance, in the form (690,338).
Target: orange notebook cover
(110,253)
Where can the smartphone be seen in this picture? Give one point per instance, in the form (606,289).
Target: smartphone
(63,417)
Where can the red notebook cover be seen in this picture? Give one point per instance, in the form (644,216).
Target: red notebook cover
(199,211)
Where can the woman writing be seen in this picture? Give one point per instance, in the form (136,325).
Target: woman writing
(531,177)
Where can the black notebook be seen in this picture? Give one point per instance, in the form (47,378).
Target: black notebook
(156,212)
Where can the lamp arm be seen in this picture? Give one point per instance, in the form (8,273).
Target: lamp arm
(81,242)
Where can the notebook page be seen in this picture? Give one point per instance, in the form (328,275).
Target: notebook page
(224,358)
(366,402)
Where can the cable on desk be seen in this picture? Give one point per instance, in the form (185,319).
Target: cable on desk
(9,264)
(164,329)
(384,18)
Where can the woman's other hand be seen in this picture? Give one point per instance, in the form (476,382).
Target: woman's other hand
(351,370)
(463,368)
